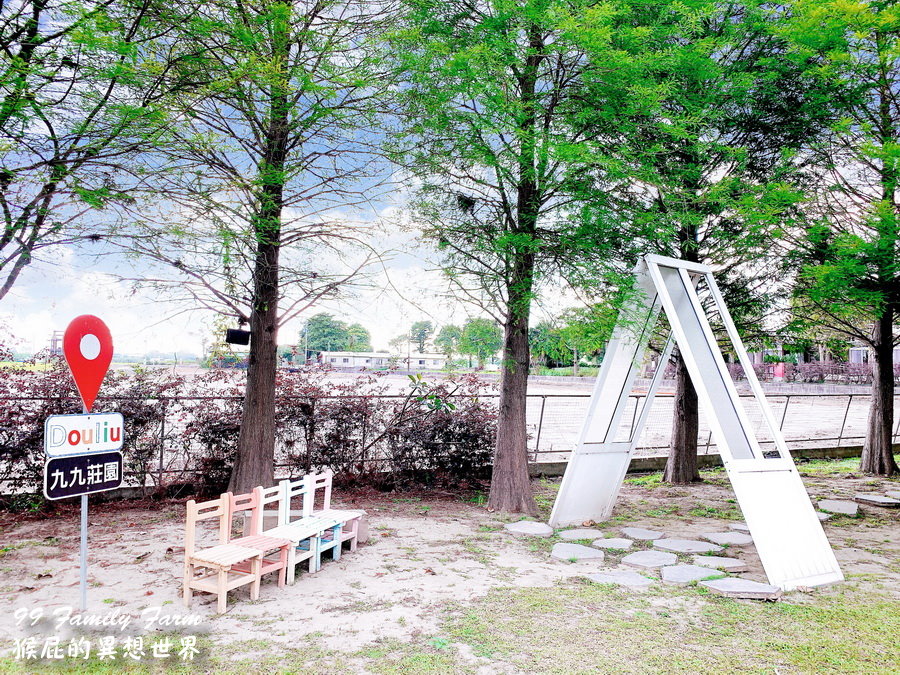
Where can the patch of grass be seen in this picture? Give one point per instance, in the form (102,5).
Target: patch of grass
(432,656)
(831,467)
(588,628)
(663,512)
(727,513)
(646,480)
(479,499)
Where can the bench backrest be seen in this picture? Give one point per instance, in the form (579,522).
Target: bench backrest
(240,505)
(198,511)
(266,497)
(298,487)
(317,482)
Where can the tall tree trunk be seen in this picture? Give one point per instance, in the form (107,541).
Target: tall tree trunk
(255,460)
(681,465)
(878,450)
(510,482)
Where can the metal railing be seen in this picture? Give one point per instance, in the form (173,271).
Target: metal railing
(805,420)
(554,423)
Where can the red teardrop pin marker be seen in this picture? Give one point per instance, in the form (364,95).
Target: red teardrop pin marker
(88,348)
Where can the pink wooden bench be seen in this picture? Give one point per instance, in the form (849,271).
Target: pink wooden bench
(250,505)
(221,568)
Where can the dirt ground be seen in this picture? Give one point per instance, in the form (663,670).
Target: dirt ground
(427,553)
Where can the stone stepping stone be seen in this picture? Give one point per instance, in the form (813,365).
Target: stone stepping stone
(742,588)
(686,546)
(581,533)
(682,575)
(622,578)
(720,563)
(642,534)
(650,559)
(728,538)
(893,494)
(529,528)
(877,500)
(575,551)
(739,527)
(614,543)
(823,516)
(839,506)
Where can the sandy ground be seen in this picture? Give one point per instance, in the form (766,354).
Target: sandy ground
(424,554)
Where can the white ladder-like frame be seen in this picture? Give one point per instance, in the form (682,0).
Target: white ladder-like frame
(786,530)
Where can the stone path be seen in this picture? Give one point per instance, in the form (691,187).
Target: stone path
(650,559)
(720,563)
(529,528)
(742,588)
(839,506)
(641,534)
(580,533)
(877,500)
(728,538)
(575,552)
(708,570)
(686,546)
(683,575)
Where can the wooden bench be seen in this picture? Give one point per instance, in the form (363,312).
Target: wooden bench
(221,568)
(349,520)
(250,505)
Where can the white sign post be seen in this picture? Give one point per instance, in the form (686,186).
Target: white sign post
(83,450)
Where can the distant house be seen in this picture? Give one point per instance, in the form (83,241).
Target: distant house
(379,360)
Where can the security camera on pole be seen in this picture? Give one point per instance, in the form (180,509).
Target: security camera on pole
(84,451)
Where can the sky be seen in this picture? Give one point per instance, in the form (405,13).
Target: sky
(67,281)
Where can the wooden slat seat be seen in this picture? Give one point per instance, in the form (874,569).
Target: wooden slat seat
(225,554)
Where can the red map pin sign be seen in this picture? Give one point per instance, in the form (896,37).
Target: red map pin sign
(88,348)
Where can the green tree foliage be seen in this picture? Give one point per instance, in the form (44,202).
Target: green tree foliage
(481,338)
(272,137)
(714,156)
(545,343)
(79,92)
(585,331)
(849,257)
(323,332)
(358,338)
(495,122)
(420,332)
(447,340)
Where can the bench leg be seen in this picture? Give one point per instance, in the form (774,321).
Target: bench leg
(315,563)
(291,564)
(354,533)
(222,600)
(256,571)
(338,544)
(188,593)
(282,573)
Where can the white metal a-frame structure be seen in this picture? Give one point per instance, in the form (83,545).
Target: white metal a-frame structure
(786,531)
